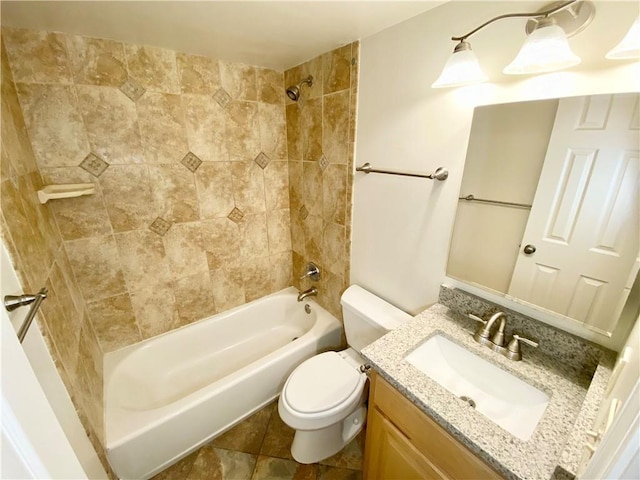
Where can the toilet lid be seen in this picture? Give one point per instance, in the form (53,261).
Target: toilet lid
(321,383)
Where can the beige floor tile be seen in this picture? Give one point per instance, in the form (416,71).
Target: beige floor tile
(180,470)
(326,472)
(269,468)
(247,436)
(277,441)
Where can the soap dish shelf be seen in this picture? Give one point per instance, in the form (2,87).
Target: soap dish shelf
(69,190)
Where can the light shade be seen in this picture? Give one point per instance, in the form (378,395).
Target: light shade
(629,47)
(461,69)
(545,50)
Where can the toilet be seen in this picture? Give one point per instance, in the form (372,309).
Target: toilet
(324,398)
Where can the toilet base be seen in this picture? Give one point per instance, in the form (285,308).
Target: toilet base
(312,446)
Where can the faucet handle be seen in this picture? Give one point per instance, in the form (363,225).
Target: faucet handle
(476,318)
(525,340)
(312,271)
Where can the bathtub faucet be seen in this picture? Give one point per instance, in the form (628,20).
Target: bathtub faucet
(310,292)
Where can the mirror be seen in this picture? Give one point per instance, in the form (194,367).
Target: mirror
(548,208)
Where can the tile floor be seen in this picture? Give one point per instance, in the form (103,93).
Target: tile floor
(259,449)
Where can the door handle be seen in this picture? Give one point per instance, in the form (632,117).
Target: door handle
(529,249)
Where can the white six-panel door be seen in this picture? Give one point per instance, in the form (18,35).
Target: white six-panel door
(584,218)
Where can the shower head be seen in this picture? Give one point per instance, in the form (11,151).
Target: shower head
(293,92)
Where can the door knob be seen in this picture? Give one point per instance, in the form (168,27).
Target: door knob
(529,249)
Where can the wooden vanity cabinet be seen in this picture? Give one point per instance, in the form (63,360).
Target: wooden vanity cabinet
(403,443)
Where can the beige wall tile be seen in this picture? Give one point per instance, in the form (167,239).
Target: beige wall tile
(243,131)
(279,230)
(221,238)
(239,80)
(312,187)
(185,250)
(215,189)
(161,121)
(258,277)
(206,127)
(40,216)
(127,195)
(111,121)
(16,147)
(62,259)
(298,267)
(38,57)
(273,131)
(248,187)
(335,127)
(96,266)
(355,64)
(312,227)
(114,323)
(311,130)
(333,247)
(54,124)
(334,193)
(271,88)
(276,183)
(194,297)
(228,288)
(96,61)
(154,68)
(336,69)
(254,239)
(282,270)
(143,259)
(298,243)
(155,309)
(174,192)
(294,132)
(198,74)
(79,217)
(296,186)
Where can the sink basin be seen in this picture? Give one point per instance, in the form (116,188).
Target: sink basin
(500,396)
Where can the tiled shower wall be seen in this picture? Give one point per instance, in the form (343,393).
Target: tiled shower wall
(321,147)
(35,244)
(195,164)
(189,158)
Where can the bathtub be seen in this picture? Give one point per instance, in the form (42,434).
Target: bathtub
(168,395)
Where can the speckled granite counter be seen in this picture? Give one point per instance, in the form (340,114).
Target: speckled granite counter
(574,390)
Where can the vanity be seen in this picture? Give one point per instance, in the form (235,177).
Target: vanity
(418,428)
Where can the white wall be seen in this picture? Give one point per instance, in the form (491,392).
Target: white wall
(401,225)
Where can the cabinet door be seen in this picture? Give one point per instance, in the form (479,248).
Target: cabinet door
(391,456)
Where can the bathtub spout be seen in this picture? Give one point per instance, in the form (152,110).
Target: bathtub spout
(313,291)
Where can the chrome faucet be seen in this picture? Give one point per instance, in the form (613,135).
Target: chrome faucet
(310,292)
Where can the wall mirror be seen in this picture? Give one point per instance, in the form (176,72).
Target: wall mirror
(548,208)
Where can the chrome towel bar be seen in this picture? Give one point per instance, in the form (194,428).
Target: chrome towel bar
(439,174)
(12,302)
(471,198)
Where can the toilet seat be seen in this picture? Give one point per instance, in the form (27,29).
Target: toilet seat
(322,383)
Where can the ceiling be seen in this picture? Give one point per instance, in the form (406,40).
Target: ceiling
(272,34)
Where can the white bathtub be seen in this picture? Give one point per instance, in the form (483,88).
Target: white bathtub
(168,395)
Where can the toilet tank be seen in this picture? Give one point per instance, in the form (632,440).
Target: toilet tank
(367,317)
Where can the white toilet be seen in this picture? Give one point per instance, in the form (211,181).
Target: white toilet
(324,397)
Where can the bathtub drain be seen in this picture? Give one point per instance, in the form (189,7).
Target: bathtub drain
(294,339)
(470,401)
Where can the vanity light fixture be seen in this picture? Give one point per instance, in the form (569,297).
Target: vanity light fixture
(545,50)
(629,46)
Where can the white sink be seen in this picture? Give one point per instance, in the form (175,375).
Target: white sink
(509,402)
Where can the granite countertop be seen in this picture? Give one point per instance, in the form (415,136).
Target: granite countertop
(558,440)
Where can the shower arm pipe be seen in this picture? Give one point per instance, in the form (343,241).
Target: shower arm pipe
(545,13)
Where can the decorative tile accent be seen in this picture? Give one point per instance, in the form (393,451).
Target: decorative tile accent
(304,213)
(94,164)
(132,89)
(191,161)
(222,97)
(236,215)
(160,226)
(324,163)
(262,160)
